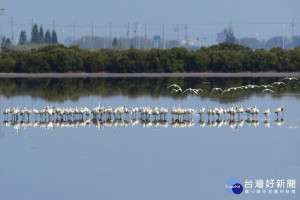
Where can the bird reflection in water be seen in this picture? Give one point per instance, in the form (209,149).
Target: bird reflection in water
(101,124)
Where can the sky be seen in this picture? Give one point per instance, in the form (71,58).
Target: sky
(204,18)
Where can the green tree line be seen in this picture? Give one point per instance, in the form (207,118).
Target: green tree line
(38,36)
(225,57)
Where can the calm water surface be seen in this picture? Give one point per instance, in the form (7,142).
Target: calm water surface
(146,162)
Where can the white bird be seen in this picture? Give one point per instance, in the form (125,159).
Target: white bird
(234,88)
(267,90)
(209,111)
(217,89)
(163,112)
(197,90)
(267,112)
(219,111)
(240,111)
(278,110)
(225,91)
(191,90)
(174,85)
(279,83)
(176,90)
(254,111)
(6,111)
(290,78)
(201,111)
(155,112)
(266,86)
(251,86)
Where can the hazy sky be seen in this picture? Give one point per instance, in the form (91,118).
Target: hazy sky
(206,17)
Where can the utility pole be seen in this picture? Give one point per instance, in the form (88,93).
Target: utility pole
(74,39)
(145,38)
(164,43)
(63,36)
(128,42)
(178,40)
(92,35)
(84,41)
(293,41)
(110,34)
(201,39)
(12,29)
(139,36)
(283,36)
(186,36)
(1,13)
(135,32)
(256,43)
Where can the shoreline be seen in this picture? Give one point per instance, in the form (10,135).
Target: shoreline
(150,75)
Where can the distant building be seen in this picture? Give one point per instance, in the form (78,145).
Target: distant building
(189,42)
(221,37)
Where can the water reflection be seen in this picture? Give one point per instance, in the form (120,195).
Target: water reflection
(64,89)
(101,124)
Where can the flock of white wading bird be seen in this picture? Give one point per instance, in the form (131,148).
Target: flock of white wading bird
(51,117)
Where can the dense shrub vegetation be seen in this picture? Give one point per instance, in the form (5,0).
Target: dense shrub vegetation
(225,57)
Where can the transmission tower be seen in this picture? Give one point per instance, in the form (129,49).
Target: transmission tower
(92,35)
(12,29)
(128,42)
(164,43)
(293,41)
(145,38)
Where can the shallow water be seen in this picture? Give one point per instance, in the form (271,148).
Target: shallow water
(187,161)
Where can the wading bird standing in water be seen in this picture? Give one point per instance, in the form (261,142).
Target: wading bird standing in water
(278,110)
(267,112)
